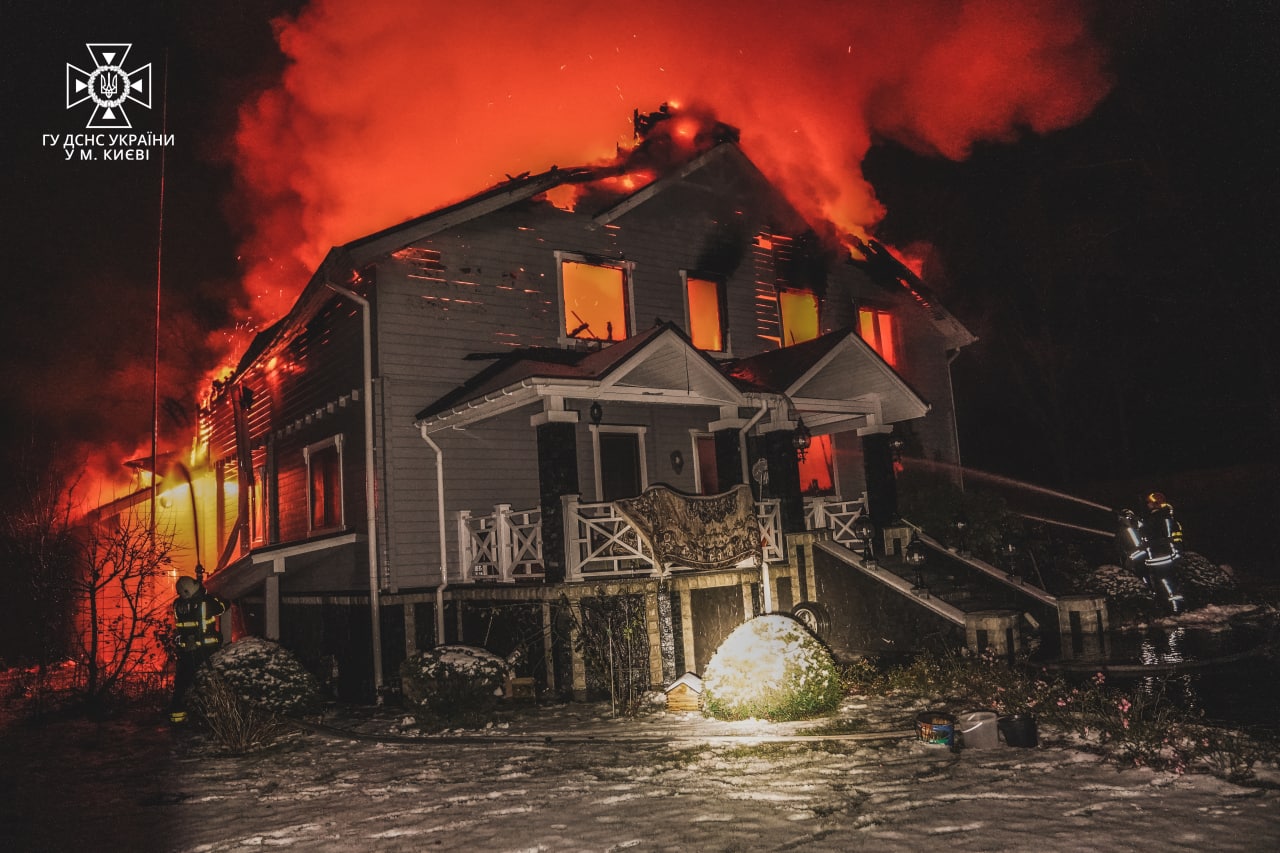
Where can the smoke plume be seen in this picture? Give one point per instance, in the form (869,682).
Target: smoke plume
(387,110)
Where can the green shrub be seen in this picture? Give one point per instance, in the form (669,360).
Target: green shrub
(454,683)
(771,668)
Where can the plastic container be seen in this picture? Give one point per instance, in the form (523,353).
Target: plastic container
(1020,730)
(977,730)
(937,728)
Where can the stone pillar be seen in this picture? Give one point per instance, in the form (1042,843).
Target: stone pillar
(994,630)
(686,629)
(1082,626)
(652,622)
(557,476)
(579,664)
(882,483)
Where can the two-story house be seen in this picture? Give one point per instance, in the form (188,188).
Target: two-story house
(647,379)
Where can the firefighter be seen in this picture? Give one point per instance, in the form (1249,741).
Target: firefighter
(195,613)
(1162,536)
(1161,530)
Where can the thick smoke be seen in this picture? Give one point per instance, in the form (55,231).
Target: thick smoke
(387,110)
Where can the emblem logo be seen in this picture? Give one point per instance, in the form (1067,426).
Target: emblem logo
(109,86)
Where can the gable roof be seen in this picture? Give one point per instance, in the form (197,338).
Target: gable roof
(890,273)
(831,378)
(656,365)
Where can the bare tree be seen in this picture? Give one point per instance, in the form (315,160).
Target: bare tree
(121,600)
(38,554)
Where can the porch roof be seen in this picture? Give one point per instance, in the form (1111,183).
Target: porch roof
(656,365)
(251,570)
(832,378)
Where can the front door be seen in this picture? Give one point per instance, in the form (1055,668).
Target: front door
(619,465)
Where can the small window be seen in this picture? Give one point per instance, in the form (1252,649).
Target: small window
(324,484)
(877,328)
(799,310)
(704,304)
(258,505)
(595,299)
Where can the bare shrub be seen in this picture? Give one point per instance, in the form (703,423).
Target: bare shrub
(237,724)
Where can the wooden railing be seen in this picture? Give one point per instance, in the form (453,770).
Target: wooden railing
(837,515)
(506,545)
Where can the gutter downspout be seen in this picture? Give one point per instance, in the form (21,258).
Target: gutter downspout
(746,478)
(370,487)
(444,546)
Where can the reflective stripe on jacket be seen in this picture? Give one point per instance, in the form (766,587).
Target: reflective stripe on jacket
(196,620)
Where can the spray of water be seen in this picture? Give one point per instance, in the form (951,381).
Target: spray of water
(1010,481)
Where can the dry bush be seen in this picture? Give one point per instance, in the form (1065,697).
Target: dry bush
(237,724)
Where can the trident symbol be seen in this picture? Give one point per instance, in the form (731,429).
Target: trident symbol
(110,85)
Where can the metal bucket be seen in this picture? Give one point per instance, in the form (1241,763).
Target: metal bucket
(937,728)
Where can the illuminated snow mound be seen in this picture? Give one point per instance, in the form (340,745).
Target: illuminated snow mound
(771,668)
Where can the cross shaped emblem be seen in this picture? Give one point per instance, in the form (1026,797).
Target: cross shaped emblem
(108,86)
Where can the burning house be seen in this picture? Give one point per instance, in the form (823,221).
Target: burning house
(651,379)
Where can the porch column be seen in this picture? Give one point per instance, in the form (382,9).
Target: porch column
(557,476)
(272,607)
(686,629)
(548,644)
(882,483)
(779,451)
(728,458)
(578,663)
(410,629)
(652,620)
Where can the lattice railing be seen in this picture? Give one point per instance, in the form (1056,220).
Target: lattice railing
(503,546)
(769,516)
(506,545)
(599,541)
(837,515)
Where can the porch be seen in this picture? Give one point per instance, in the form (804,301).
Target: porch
(506,545)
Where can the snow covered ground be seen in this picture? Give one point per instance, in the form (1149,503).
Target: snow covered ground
(570,778)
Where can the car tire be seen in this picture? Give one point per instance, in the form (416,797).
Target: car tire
(813,616)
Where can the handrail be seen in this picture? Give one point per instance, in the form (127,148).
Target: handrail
(947,611)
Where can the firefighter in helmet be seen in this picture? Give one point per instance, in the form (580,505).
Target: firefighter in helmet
(195,612)
(1162,535)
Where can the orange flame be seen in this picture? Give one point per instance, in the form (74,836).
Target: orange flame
(368,127)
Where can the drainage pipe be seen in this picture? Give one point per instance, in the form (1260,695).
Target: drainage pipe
(742,440)
(444,545)
(370,486)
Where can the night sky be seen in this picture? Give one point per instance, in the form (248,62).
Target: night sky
(1120,273)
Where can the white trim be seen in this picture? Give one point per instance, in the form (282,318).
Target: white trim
(639,432)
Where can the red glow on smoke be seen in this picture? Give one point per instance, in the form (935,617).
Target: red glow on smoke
(389,110)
